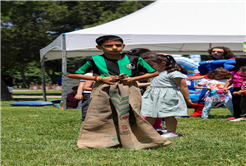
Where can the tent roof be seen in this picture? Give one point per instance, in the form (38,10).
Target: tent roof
(164,26)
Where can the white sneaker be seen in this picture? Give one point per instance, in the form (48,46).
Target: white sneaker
(238,119)
(161,130)
(169,135)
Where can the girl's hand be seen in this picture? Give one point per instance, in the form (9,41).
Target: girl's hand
(188,101)
(238,92)
(127,81)
(225,89)
(110,80)
(78,97)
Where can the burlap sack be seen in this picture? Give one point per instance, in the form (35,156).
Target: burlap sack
(113,120)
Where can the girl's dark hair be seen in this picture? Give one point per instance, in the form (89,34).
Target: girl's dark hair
(183,70)
(217,71)
(100,40)
(240,61)
(228,53)
(136,51)
(148,55)
(243,68)
(171,65)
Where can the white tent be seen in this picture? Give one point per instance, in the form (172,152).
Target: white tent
(189,27)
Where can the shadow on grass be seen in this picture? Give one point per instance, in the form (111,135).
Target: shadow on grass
(219,116)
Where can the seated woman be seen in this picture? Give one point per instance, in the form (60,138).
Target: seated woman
(220,57)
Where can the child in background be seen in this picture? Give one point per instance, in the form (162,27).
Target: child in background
(71,101)
(215,83)
(113,119)
(168,93)
(237,81)
(87,88)
(242,92)
(83,95)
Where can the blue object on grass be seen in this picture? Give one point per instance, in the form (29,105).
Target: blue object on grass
(31,103)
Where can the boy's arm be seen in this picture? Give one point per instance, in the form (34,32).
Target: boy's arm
(80,76)
(130,80)
(108,80)
(79,95)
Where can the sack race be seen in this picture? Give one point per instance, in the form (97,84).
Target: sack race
(113,120)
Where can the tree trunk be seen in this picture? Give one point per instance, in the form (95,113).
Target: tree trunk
(26,83)
(5,95)
(52,75)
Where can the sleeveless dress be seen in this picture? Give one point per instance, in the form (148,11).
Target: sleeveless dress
(163,98)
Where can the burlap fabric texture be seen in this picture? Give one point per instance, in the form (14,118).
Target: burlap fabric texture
(113,120)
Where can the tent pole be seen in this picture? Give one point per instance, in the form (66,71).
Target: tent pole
(64,72)
(43,79)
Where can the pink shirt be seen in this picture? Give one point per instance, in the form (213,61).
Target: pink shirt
(237,78)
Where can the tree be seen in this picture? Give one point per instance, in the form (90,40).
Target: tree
(28,26)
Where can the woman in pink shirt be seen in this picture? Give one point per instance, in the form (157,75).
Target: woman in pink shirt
(237,81)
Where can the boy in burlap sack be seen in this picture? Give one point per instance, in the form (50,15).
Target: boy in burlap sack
(113,118)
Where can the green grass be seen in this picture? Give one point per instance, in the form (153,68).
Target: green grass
(36,92)
(48,136)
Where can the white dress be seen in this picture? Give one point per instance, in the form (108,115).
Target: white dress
(163,98)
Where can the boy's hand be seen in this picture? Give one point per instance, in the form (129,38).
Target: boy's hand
(78,97)
(110,80)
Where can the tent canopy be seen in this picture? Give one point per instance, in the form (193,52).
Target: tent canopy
(163,26)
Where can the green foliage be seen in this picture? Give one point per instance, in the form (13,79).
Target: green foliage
(28,26)
(48,136)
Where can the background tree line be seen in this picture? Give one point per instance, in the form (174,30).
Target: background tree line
(28,26)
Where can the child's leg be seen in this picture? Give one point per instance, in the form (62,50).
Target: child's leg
(243,106)
(236,100)
(171,124)
(151,120)
(158,123)
(206,109)
(229,105)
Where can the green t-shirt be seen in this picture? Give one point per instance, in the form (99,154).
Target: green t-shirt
(101,65)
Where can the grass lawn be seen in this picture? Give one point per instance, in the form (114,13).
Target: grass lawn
(48,136)
(35,92)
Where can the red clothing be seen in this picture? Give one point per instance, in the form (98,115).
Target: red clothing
(200,74)
(71,101)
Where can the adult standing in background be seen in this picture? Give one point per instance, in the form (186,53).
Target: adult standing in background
(9,82)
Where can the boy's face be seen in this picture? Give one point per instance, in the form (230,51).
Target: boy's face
(111,47)
(243,73)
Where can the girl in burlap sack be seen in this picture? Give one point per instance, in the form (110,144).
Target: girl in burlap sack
(113,118)
(168,93)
